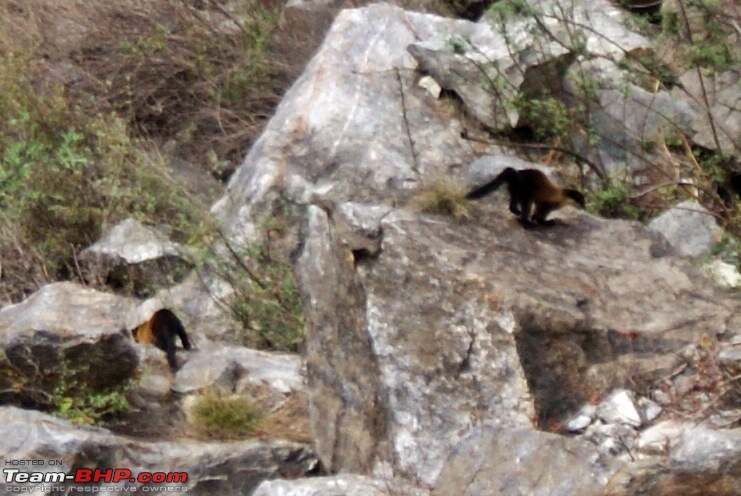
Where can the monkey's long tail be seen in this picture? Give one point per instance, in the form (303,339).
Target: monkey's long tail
(507,175)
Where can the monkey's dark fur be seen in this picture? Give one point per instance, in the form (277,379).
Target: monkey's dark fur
(161,330)
(527,187)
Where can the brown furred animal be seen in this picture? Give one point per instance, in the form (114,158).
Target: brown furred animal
(527,187)
(161,330)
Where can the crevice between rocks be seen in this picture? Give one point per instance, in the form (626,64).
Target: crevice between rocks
(568,367)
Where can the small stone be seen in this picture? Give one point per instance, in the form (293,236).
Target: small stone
(582,419)
(704,446)
(620,407)
(724,274)
(658,438)
(661,397)
(689,227)
(611,439)
(684,384)
(730,356)
(429,84)
(578,423)
(649,409)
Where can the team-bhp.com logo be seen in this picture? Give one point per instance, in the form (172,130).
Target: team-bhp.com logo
(88,476)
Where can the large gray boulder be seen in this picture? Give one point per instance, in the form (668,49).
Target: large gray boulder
(722,93)
(493,460)
(338,485)
(233,468)
(701,461)
(353,126)
(421,331)
(68,332)
(280,372)
(489,68)
(136,258)
(689,227)
(601,26)
(449,326)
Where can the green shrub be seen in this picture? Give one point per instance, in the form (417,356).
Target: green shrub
(266,299)
(615,201)
(548,117)
(61,388)
(65,176)
(84,407)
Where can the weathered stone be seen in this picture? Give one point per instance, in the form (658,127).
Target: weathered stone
(65,328)
(450,325)
(689,227)
(338,485)
(702,447)
(353,127)
(280,372)
(497,461)
(429,84)
(702,462)
(731,355)
(626,122)
(582,419)
(419,330)
(615,441)
(659,438)
(724,274)
(211,468)
(649,409)
(488,68)
(661,397)
(722,93)
(135,257)
(599,25)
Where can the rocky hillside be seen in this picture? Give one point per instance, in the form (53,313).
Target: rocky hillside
(431,345)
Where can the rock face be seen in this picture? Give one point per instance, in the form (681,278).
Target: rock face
(354,125)
(280,372)
(482,69)
(398,362)
(450,326)
(493,460)
(340,485)
(66,328)
(701,462)
(211,468)
(136,257)
(689,227)
(428,340)
(600,25)
(724,97)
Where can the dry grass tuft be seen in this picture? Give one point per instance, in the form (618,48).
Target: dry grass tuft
(443,195)
(225,416)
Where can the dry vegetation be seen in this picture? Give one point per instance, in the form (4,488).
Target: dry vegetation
(98,97)
(198,72)
(442,195)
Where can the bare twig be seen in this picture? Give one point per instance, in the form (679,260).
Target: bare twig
(539,146)
(415,161)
